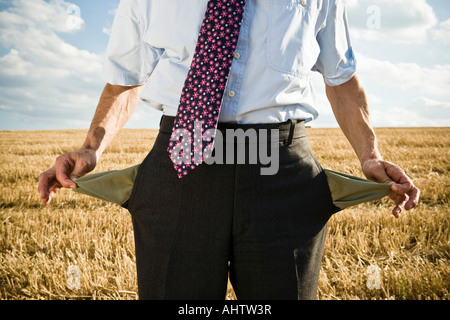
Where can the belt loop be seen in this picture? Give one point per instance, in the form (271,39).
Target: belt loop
(291,132)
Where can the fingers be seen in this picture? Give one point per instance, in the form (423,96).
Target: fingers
(63,168)
(401,183)
(403,191)
(43,186)
(399,201)
(404,186)
(67,168)
(414,196)
(406,193)
(52,192)
(48,186)
(55,178)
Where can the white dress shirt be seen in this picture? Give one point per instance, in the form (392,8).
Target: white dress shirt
(281,43)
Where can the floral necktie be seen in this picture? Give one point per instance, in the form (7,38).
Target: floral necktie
(193,134)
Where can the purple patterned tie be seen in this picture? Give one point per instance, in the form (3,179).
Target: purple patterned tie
(198,113)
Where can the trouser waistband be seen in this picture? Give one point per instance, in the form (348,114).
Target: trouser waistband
(287,130)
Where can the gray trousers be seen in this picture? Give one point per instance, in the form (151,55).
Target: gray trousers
(266,232)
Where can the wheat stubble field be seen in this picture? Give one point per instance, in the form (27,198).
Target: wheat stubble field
(39,244)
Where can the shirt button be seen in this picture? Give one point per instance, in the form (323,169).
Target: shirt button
(237,55)
(304,3)
(231,94)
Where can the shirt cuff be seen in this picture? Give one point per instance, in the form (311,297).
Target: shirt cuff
(341,79)
(125,79)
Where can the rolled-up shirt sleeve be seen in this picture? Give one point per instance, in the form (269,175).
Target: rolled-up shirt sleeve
(129,61)
(336,61)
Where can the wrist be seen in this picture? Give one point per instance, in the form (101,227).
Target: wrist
(370,152)
(373,156)
(94,142)
(93,151)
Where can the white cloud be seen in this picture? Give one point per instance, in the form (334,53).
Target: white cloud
(420,111)
(442,33)
(45,78)
(107,29)
(404,117)
(373,99)
(406,76)
(431,109)
(408,21)
(399,94)
(413,95)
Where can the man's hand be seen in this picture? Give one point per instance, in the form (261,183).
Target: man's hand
(403,191)
(116,105)
(67,168)
(350,106)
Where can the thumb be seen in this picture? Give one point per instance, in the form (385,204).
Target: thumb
(401,184)
(384,172)
(375,171)
(63,167)
(79,169)
(85,161)
(384,178)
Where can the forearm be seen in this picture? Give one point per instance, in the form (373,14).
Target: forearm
(115,107)
(350,107)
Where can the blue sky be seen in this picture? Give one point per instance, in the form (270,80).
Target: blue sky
(50,74)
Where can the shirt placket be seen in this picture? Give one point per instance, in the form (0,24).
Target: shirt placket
(230,100)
